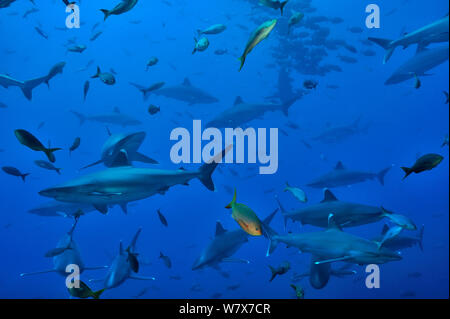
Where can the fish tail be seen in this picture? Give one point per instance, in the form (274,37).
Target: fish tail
(23,176)
(106,13)
(206,170)
(274,273)
(81,117)
(96,294)
(407,171)
(382,174)
(50,155)
(58,170)
(282,6)
(97,74)
(233,201)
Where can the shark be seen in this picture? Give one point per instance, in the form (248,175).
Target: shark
(120,185)
(346,214)
(224,245)
(242,112)
(54,209)
(332,245)
(434,32)
(116,118)
(66,253)
(319,274)
(124,266)
(186,92)
(341,133)
(401,241)
(341,176)
(423,61)
(28,86)
(122,149)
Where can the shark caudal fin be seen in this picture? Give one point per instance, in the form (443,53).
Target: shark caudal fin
(421,237)
(407,171)
(206,170)
(274,273)
(134,240)
(28,86)
(270,234)
(81,117)
(385,44)
(283,211)
(267,231)
(282,6)
(106,13)
(382,174)
(286,105)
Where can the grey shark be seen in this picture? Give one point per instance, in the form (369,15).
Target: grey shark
(66,253)
(124,266)
(120,185)
(345,214)
(332,245)
(224,245)
(54,209)
(341,176)
(28,86)
(319,274)
(115,118)
(341,133)
(242,113)
(186,92)
(122,149)
(432,33)
(417,66)
(402,240)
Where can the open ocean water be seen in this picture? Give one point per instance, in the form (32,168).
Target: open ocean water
(351,117)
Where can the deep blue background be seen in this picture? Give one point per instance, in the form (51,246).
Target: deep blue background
(405,122)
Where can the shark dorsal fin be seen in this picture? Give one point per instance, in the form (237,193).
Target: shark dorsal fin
(332,222)
(238,101)
(328,196)
(339,166)
(385,229)
(187,82)
(219,229)
(121,159)
(116,110)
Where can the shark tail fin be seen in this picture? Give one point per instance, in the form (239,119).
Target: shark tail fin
(81,117)
(230,205)
(382,174)
(283,211)
(96,294)
(28,86)
(267,231)
(282,6)
(270,234)
(106,13)
(208,168)
(274,273)
(385,44)
(23,176)
(421,237)
(133,242)
(407,171)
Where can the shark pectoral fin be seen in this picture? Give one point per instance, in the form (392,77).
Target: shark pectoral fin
(141,278)
(235,260)
(93,164)
(143,158)
(102,208)
(326,261)
(96,280)
(124,207)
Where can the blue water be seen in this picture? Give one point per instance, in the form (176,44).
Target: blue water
(404,124)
